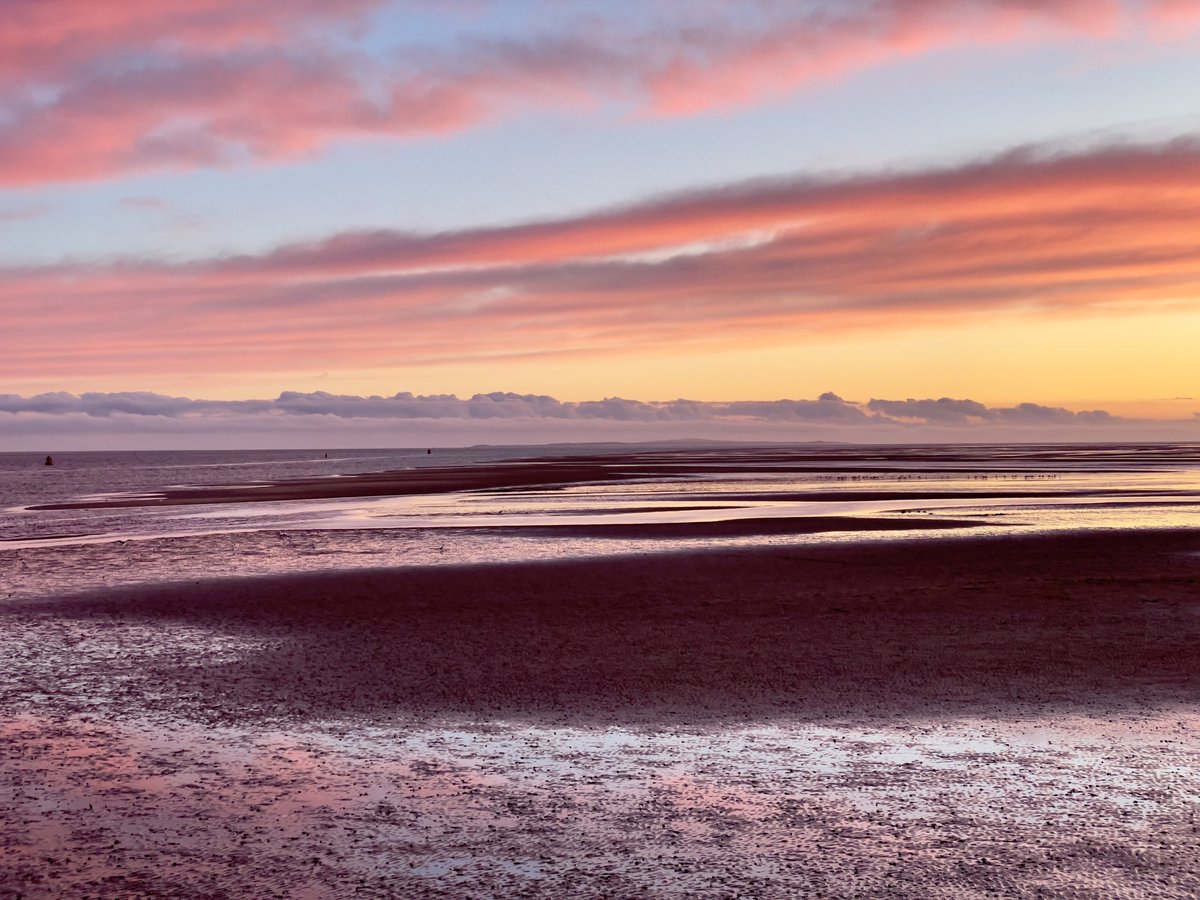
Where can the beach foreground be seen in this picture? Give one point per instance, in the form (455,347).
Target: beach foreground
(951,717)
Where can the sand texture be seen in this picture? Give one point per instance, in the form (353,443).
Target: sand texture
(959,717)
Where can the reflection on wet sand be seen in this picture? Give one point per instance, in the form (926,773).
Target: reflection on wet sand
(902,719)
(1037,468)
(931,808)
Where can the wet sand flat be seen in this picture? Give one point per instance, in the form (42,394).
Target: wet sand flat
(848,465)
(936,718)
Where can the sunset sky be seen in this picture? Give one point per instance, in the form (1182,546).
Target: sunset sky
(309,223)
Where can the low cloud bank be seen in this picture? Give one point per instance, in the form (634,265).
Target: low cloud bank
(828,408)
(142,419)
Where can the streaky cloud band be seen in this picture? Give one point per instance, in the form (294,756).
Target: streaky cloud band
(1106,230)
(97,89)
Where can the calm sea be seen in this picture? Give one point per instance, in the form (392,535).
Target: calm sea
(1000,489)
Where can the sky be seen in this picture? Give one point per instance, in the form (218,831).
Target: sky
(408,222)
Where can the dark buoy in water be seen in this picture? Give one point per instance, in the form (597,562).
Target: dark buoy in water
(429,451)
(49,460)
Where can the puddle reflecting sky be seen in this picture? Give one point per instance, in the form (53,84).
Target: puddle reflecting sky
(997,489)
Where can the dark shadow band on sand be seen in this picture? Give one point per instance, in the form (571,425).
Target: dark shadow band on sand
(1012,626)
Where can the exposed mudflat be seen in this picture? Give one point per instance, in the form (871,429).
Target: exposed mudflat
(959,718)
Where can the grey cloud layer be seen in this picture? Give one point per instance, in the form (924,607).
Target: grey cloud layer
(828,409)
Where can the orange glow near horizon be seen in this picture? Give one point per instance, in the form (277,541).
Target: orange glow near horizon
(1139,367)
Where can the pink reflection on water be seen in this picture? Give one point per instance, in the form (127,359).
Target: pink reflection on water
(99,807)
(94,807)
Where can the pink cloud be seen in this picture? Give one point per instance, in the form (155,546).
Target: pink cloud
(829,215)
(42,42)
(1112,228)
(732,67)
(99,88)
